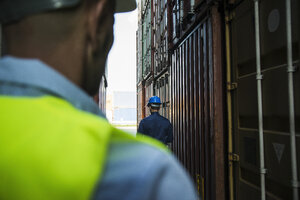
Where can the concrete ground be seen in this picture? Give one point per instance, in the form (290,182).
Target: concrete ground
(130,129)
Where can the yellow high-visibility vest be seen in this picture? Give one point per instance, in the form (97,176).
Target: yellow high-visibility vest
(49,150)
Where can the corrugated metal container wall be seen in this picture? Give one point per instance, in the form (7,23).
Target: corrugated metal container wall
(166,102)
(156,36)
(147,41)
(140,102)
(275,101)
(139,52)
(175,9)
(161,89)
(197,100)
(160,37)
(148,93)
(189,138)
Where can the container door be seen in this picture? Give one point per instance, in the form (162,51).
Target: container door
(275,97)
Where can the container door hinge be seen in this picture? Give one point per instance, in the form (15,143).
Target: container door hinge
(231,86)
(229,16)
(233,157)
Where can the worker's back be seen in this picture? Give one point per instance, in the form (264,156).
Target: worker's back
(157,126)
(48,149)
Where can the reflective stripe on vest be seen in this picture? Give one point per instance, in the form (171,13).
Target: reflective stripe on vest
(50,150)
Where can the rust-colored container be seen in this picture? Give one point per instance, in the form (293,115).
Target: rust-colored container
(139,52)
(160,36)
(147,53)
(140,102)
(149,84)
(162,90)
(174,20)
(197,111)
(188,77)
(186,133)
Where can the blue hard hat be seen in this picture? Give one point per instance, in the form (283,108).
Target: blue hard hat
(154,101)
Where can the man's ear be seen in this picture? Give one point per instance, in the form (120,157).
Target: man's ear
(94,13)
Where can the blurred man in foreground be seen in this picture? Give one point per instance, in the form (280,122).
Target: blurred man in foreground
(54,142)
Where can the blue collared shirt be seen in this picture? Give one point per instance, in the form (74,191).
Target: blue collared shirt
(133,171)
(158,127)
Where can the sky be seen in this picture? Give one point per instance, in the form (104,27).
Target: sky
(121,63)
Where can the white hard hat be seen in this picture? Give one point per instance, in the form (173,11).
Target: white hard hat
(125,5)
(13,10)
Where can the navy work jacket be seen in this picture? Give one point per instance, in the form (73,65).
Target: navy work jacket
(158,127)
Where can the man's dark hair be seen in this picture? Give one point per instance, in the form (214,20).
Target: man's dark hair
(155,107)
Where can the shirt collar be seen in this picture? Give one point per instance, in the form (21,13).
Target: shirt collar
(154,113)
(34,73)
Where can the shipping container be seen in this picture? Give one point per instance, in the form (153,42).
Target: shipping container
(145,57)
(139,53)
(275,98)
(147,40)
(210,85)
(160,36)
(149,90)
(197,94)
(161,89)
(140,102)
(187,87)
(196,77)
(175,20)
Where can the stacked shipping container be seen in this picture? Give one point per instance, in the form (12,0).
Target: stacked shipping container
(196,77)
(146,39)
(180,52)
(144,57)
(140,102)
(162,90)
(154,62)
(160,36)
(215,120)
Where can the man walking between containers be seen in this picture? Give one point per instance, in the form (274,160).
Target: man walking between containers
(155,125)
(54,142)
